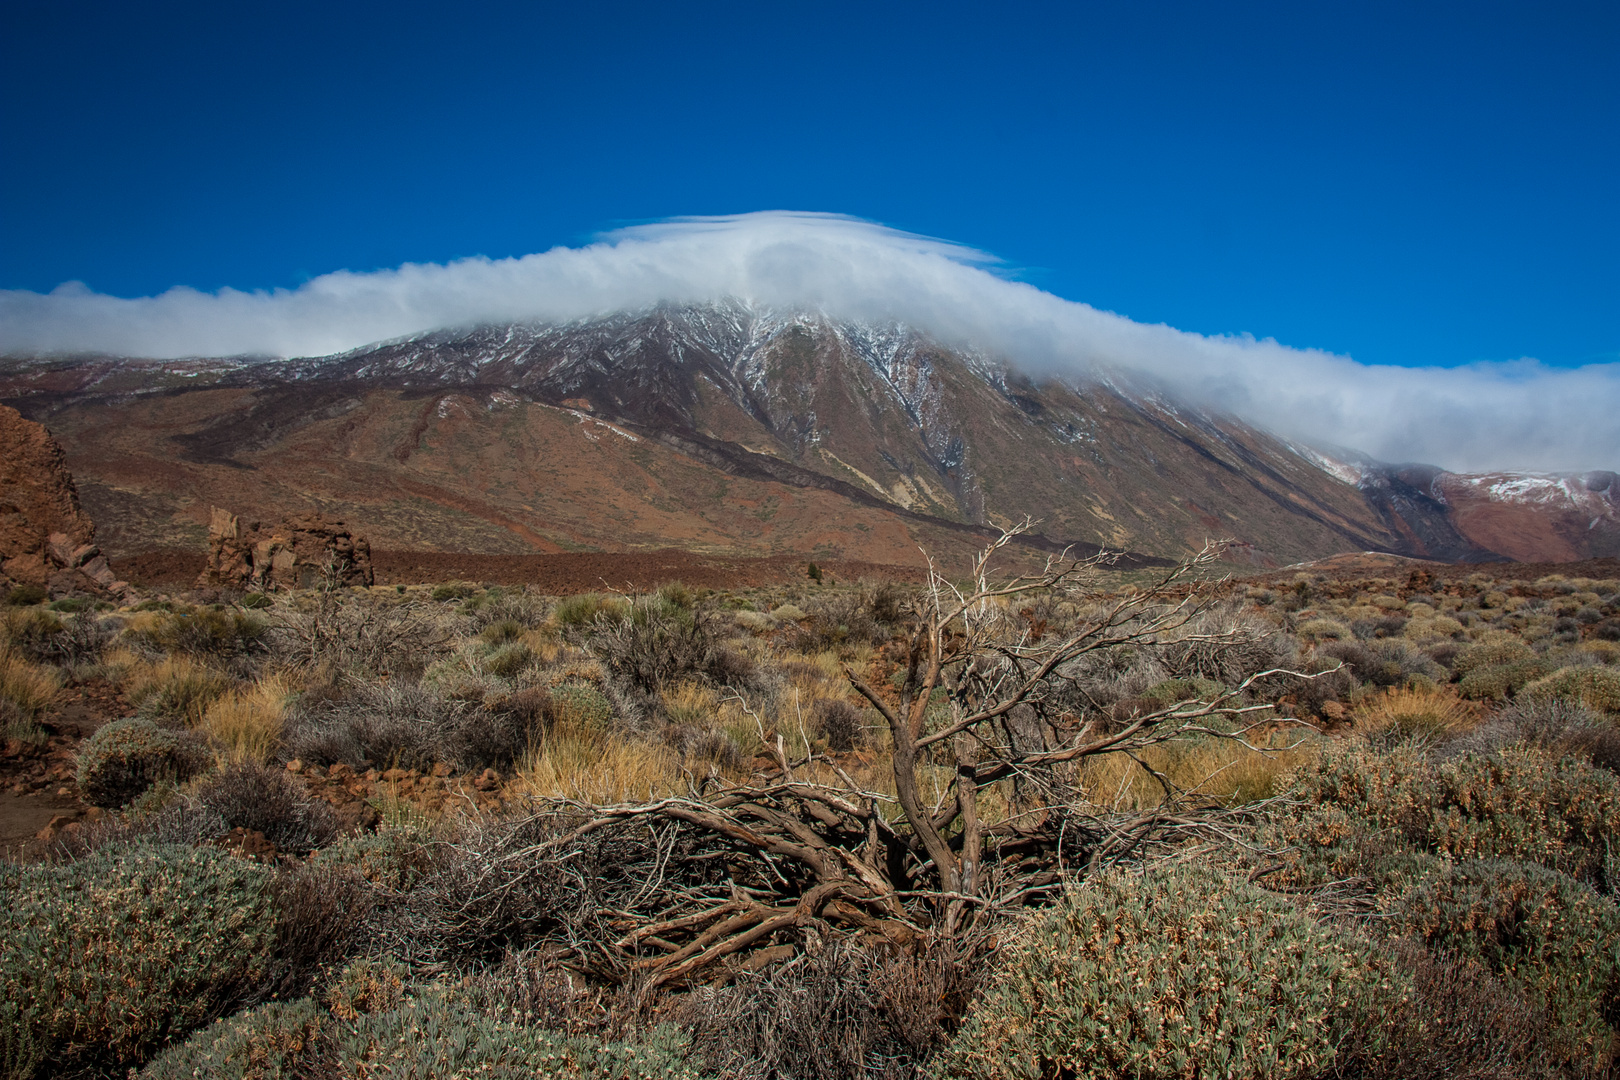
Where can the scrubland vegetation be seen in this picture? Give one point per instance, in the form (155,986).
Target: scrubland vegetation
(1062,826)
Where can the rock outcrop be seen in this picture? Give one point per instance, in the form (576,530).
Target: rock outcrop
(45,538)
(303,551)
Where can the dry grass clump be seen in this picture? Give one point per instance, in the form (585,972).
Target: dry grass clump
(1427,714)
(27,686)
(247,724)
(590,765)
(1224,770)
(177,689)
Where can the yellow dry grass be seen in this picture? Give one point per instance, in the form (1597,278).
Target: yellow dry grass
(28,686)
(1424,712)
(177,686)
(1220,769)
(247,724)
(601,768)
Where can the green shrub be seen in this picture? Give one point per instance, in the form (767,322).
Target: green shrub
(452,590)
(116,952)
(581,610)
(501,631)
(393,857)
(506,661)
(267,1043)
(256,601)
(179,690)
(25,595)
(1517,803)
(581,705)
(429,1034)
(125,757)
(1498,682)
(1554,938)
(1175,973)
(1597,688)
(206,632)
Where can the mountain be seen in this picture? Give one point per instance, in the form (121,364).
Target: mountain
(731,428)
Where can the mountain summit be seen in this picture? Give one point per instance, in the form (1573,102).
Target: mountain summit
(739,428)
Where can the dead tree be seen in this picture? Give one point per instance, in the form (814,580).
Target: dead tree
(675,886)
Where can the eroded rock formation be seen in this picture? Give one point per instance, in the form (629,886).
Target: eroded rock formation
(45,538)
(303,551)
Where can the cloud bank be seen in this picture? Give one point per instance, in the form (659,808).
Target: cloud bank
(1516,415)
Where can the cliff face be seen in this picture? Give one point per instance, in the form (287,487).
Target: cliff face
(45,538)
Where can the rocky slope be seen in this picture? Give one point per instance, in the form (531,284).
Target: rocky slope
(725,428)
(45,538)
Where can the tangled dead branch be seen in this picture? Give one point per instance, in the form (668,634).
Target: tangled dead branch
(733,876)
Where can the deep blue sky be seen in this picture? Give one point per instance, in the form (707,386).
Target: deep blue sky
(1407,183)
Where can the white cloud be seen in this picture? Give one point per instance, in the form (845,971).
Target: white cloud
(1521,415)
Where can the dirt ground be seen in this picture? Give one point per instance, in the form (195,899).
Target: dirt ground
(38,792)
(556,575)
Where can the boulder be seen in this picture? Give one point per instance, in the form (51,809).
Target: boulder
(303,551)
(45,538)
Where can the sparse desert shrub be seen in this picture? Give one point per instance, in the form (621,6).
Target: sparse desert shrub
(1462,1021)
(1426,714)
(512,606)
(1174,973)
(133,944)
(848,1011)
(1545,933)
(1597,688)
(25,595)
(253,797)
(495,734)
(1523,804)
(432,1032)
(839,621)
(27,686)
(360,635)
(838,721)
(178,690)
(582,609)
(267,1043)
(126,757)
(651,649)
(393,857)
(30,633)
(1318,630)
(395,724)
(321,913)
(44,637)
(1384,662)
(211,632)
(453,590)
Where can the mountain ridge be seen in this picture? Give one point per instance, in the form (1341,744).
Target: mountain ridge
(877,416)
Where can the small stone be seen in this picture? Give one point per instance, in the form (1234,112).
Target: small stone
(64,793)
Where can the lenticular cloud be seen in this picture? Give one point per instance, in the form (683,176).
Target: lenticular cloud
(1519,415)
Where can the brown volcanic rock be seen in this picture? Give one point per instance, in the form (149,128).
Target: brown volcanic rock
(302,551)
(45,538)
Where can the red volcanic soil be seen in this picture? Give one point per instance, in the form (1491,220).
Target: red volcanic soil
(555,574)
